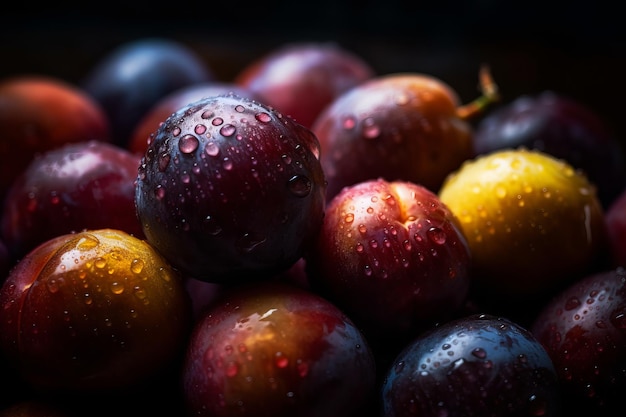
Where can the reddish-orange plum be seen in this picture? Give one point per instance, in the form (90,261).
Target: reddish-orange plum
(93,311)
(392,256)
(39,113)
(398,127)
(276,350)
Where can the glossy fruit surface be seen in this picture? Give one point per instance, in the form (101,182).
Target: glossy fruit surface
(90,311)
(615,217)
(85,185)
(147,126)
(230,190)
(40,113)
(583,330)
(478,365)
(276,350)
(398,127)
(563,127)
(392,256)
(301,79)
(129,79)
(531,220)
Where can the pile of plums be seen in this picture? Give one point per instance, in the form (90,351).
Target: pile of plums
(309,238)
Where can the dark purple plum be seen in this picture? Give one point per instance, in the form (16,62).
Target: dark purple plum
(84,185)
(583,329)
(230,190)
(475,366)
(563,127)
(276,350)
(129,79)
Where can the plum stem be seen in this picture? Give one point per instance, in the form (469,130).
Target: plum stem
(490,94)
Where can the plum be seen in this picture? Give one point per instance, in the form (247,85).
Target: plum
(475,366)
(270,350)
(583,330)
(230,190)
(129,79)
(40,113)
(84,185)
(96,311)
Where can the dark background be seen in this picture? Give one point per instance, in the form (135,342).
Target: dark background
(576,48)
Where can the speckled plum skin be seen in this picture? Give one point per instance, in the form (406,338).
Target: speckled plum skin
(231,190)
(583,329)
(392,255)
(275,350)
(475,366)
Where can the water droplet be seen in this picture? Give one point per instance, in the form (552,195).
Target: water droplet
(232,369)
(176,131)
(618,319)
(100,263)
(348,218)
(228,130)
(53,285)
(207,114)
(159,192)
(117,287)
(299,185)
(227,163)
(212,149)
(87,242)
(239,108)
(248,242)
(188,144)
(480,353)
(200,129)
(263,117)
(437,235)
(136,266)
(281,360)
(370,129)
(217,121)
(164,160)
(572,303)
(349,122)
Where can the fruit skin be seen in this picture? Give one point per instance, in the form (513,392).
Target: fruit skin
(40,113)
(560,126)
(401,126)
(301,79)
(532,222)
(230,190)
(84,185)
(582,329)
(148,124)
(392,256)
(477,365)
(615,218)
(92,312)
(129,79)
(269,349)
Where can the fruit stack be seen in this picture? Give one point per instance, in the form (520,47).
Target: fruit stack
(310,238)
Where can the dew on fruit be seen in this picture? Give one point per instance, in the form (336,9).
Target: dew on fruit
(117,287)
(362,228)
(370,129)
(349,122)
(136,266)
(437,235)
(217,121)
(263,117)
(227,130)
(572,303)
(200,129)
(164,161)
(188,144)
(87,242)
(247,243)
(227,163)
(212,149)
(159,192)
(299,185)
